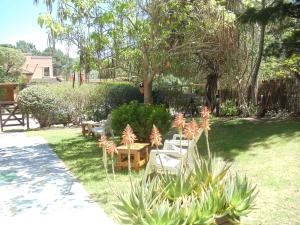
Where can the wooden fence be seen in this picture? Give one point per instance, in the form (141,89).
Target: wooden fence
(273,94)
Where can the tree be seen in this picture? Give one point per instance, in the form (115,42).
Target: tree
(26,47)
(286,35)
(11,61)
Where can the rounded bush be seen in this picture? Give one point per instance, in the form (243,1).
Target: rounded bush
(141,118)
(42,104)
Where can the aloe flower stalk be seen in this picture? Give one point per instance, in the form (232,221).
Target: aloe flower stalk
(111,149)
(205,114)
(155,139)
(103,144)
(179,123)
(190,132)
(128,138)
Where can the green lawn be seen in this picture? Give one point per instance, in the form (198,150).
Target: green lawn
(268,152)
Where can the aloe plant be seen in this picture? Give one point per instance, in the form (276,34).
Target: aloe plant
(200,196)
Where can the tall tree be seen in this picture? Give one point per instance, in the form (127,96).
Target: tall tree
(284,44)
(11,61)
(27,47)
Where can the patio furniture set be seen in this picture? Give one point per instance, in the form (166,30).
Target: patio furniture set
(174,153)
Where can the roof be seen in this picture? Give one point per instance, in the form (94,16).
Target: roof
(38,56)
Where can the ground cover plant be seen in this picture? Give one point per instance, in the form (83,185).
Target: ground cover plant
(267,151)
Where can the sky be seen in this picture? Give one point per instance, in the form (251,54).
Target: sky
(18,21)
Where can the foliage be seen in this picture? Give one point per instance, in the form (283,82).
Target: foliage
(89,101)
(26,47)
(42,104)
(141,118)
(197,197)
(229,108)
(11,61)
(122,93)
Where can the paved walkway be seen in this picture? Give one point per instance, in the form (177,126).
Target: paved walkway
(36,188)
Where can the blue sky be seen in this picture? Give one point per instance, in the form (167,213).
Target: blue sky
(18,21)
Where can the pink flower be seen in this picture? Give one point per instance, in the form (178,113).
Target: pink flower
(103,141)
(111,148)
(128,137)
(191,130)
(205,114)
(155,137)
(179,121)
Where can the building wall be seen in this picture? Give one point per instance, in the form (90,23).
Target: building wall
(37,65)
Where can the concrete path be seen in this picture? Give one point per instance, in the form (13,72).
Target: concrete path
(36,188)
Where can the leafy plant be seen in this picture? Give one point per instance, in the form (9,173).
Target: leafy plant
(141,118)
(229,108)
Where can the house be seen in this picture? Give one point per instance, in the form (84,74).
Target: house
(38,68)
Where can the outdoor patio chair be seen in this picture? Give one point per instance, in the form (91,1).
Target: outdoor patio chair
(99,129)
(171,158)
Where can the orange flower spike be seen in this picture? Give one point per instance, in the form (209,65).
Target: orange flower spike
(155,137)
(205,114)
(128,137)
(194,125)
(179,121)
(189,131)
(103,141)
(111,148)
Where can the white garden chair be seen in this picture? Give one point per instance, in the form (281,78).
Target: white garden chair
(171,158)
(99,129)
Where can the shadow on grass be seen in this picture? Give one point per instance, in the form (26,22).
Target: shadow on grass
(230,138)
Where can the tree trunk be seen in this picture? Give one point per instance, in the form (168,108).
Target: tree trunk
(148,91)
(211,90)
(254,76)
(147,79)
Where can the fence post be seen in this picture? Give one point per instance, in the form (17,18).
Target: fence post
(1,117)
(27,121)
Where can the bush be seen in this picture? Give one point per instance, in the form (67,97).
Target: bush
(94,101)
(229,108)
(42,104)
(141,118)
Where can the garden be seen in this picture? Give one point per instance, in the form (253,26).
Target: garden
(174,112)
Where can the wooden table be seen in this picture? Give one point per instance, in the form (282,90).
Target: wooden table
(139,155)
(86,127)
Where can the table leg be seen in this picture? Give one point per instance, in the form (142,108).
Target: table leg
(137,158)
(119,161)
(146,153)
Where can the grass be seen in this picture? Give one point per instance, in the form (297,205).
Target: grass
(268,152)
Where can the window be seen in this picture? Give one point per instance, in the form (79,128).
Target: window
(46,71)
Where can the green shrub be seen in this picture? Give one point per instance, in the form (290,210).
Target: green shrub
(93,101)
(229,108)
(42,104)
(141,118)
